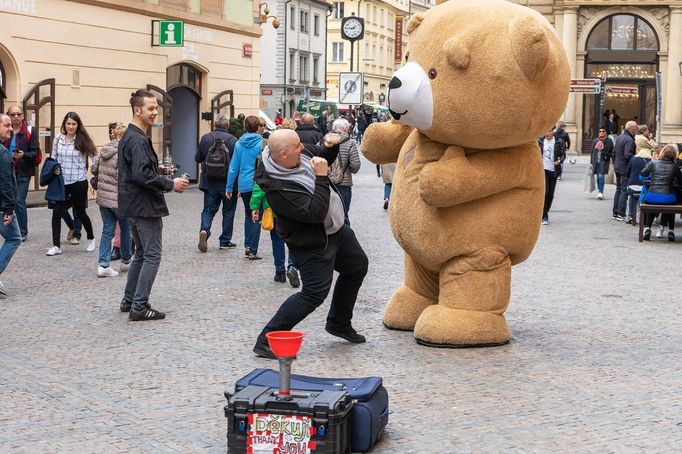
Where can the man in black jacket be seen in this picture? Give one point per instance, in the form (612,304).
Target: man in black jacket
(9,228)
(24,147)
(624,150)
(214,187)
(308,132)
(141,200)
(310,219)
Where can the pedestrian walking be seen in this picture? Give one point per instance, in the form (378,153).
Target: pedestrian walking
(560,133)
(105,169)
(551,150)
(307,131)
(141,200)
(24,147)
(9,228)
(624,150)
(349,163)
(602,152)
(72,149)
(387,173)
(310,220)
(219,146)
(242,166)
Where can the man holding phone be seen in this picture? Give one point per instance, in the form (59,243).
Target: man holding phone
(9,227)
(141,200)
(310,219)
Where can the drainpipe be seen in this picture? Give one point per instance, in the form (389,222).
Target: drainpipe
(286,59)
(326,49)
(352,43)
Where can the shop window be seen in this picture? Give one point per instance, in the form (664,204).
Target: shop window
(623,32)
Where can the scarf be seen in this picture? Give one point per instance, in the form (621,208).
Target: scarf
(303,174)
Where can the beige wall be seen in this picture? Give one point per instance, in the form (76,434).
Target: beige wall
(98,56)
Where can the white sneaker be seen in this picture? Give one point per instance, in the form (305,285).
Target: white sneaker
(123,267)
(3,292)
(106,272)
(600,196)
(661,229)
(91,245)
(54,250)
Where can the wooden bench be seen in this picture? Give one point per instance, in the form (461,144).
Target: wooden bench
(645,208)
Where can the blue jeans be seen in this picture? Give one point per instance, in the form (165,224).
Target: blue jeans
(12,236)
(278,251)
(251,229)
(212,202)
(20,208)
(109,218)
(387,191)
(621,197)
(600,178)
(346,193)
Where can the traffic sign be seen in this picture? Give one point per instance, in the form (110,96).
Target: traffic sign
(171,33)
(351,88)
(586,86)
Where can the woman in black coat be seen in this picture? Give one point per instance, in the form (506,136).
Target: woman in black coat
(602,152)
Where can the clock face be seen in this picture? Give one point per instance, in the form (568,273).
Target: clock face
(352,28)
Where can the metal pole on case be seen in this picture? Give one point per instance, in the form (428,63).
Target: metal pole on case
(285,345)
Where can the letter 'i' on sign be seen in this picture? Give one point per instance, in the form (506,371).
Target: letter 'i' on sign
(171,33)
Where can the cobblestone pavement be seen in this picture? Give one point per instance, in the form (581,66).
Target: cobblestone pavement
(593,366)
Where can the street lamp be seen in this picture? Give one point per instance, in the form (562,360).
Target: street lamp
(263,15)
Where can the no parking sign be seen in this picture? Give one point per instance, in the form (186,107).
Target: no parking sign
(351,87)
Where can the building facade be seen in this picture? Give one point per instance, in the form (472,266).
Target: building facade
(294,65)
(88,56)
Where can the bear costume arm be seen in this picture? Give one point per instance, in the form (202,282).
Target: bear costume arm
(382,142)
(458,178)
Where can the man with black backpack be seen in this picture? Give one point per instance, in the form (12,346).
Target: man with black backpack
(214,153)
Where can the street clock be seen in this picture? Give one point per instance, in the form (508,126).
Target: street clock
(352,28)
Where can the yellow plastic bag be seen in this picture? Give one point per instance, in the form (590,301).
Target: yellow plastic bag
(267,220)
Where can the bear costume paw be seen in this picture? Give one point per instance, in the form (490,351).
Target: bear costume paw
(404,308)
(439,326)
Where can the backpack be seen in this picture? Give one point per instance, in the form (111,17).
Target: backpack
(336,172)
(217,159)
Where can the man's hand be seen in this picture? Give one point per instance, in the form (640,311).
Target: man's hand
(7,218)
(331,139)
(255,215)
(18,154)
(179,184)
(319,166)
(229,195)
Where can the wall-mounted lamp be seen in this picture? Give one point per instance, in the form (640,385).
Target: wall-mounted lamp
(681,68)
(263,15)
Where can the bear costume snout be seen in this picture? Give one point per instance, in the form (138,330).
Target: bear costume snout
(410,97)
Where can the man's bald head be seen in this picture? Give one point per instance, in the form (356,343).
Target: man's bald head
(308,119)
(285,147)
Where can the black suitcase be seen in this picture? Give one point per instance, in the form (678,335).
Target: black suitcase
(259,421)
(370,412)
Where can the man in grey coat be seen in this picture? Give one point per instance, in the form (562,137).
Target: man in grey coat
(623,152)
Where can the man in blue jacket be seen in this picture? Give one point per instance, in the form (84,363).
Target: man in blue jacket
(141,200)
(9,228)
(242,166)
(623,151)
(213,187)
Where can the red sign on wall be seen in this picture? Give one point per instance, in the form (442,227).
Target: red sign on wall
(398,40)
(266,92)
(247,50)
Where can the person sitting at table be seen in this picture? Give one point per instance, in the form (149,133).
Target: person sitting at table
(664,172)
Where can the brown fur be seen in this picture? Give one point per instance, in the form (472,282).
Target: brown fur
(468,193)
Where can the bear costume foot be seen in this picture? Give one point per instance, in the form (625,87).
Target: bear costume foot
(439,326)
(404,308)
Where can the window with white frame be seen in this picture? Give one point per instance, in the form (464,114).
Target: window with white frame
(316,69)
(303,68)
(381,56)
(292,65)
(316,24)
(292,17)
(338,10)
(337,51)
(382,12)
(303,21)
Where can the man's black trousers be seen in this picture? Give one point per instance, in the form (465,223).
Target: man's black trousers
(316,266)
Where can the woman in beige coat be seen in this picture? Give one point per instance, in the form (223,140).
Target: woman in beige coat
(105,168)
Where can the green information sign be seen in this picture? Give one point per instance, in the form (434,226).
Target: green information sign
(171,33)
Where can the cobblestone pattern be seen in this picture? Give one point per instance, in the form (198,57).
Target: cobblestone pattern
(593,366)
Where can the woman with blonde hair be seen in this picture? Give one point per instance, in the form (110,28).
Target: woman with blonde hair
(288,123)
(664,172)
(105,168)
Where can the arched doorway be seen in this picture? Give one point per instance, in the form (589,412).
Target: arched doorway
(183,82)
(622,50)
(3,89)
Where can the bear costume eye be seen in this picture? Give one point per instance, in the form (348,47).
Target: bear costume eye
(433,73)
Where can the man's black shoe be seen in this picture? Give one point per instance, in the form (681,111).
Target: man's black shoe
(263,350)
(280,277)
(146,314)
(292,274)
(228,245)
(349,334)
(116,254)
(126,305)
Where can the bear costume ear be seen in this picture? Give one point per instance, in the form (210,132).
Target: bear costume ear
(530,46)
(456,53)
(414,23)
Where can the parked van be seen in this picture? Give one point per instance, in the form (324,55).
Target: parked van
(317,106)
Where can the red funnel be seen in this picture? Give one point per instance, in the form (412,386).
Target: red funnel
(285,344)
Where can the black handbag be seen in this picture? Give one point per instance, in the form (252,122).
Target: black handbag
(93,182)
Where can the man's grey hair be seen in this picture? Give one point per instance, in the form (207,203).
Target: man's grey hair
(340,125)
(631,126)
(308,119)
(2,117)
(222,120)
(642,129)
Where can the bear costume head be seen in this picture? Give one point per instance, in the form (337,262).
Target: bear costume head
(466,70)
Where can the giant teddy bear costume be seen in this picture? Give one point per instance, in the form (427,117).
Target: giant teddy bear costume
(482,80)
